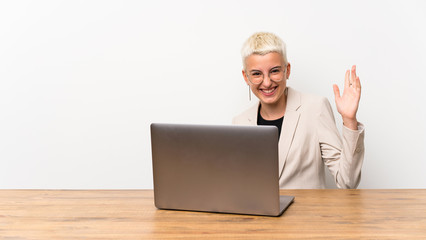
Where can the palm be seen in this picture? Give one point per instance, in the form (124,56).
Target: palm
(347,103)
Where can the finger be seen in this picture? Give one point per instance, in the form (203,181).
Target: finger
(354,68)
(336,92)
(358,84)
(347,82)
(353,75)
(355,78)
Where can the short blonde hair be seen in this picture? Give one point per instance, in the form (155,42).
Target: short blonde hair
(263,43)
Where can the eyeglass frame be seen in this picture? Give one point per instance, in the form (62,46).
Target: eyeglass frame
(269,75)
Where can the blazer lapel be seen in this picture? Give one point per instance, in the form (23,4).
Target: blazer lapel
(252,115)
(291,118)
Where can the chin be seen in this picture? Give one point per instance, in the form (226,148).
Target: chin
(268,101)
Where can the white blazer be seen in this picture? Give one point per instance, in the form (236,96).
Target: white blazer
(310,140)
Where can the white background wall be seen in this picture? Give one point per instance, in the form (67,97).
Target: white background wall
(80,81)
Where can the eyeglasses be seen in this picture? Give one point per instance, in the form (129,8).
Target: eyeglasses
(276,74)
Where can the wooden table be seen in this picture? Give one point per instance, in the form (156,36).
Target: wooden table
(131,214)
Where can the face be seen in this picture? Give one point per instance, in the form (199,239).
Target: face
(269,92)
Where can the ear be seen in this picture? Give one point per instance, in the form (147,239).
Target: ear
(245,77)
(288,70)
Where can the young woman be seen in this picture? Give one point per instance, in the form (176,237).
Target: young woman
(309,139)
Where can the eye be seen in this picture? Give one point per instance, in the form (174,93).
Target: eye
(275,71)
(255,74)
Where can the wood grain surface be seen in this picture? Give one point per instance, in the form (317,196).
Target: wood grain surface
(131,214)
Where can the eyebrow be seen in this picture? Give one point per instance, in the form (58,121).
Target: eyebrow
(276,67)
(255,70)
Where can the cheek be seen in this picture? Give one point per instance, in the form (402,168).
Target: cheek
(253,88)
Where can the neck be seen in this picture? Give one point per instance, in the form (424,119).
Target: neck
(274,111)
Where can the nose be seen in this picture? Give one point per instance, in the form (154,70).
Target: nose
(266,81)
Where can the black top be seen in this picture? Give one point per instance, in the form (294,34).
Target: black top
(277,122)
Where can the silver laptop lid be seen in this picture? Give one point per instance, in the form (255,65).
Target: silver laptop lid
(232,169)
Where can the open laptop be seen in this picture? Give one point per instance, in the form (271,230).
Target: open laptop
(216,168)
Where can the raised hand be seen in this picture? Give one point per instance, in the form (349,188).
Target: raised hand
(347,103)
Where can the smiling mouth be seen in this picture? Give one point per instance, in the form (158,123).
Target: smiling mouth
(269,90)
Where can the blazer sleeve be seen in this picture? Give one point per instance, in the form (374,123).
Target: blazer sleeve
(342,154)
